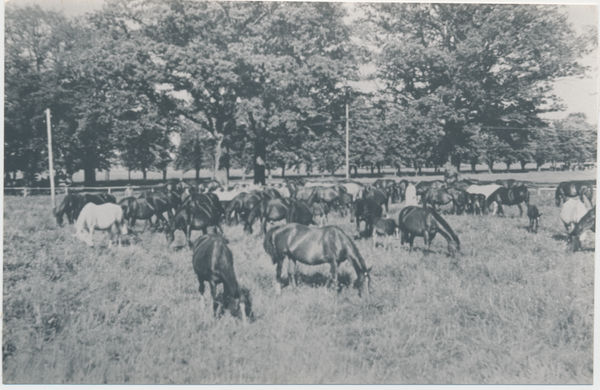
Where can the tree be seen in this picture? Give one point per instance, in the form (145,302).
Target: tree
(485,65)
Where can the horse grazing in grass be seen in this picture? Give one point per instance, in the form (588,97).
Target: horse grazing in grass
(587,222)
(269,210)
(424,222)
(213,263)
(571,189)
(509,197)
(442,196)
(353,188)
(366,210)
(534,218)
(71,206)
(423,186)
(378,195)
(242,205)
(208,197)
(107,217)
(299,212)
(385,227)
(163,202)
(137,208)
(572,212)
(190,218)
(314,246)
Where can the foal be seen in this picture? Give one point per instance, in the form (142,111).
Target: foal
(385,227)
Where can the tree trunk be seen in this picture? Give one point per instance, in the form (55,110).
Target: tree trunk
(507,167)
(355,171)
(282,170)
(372,169)
(378,168)
(523,163)
(490,167)
(218,152)
(165,174)
(473,167)
(197,173)
(260,152)
(89,174)
(129,174)
(144,174)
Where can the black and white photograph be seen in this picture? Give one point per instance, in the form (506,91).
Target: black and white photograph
(299,193)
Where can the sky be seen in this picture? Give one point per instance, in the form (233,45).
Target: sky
(578,94)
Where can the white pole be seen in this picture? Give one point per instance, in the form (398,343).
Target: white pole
(51,172)
(347,143)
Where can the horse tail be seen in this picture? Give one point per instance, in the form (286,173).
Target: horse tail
(558,196)
(269,245)
(256,211)
(445,225)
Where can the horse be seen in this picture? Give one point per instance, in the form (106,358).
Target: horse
(402,186)
(108,217)
(379,196)
(137,208)
(425,222)
(327,195)
(269,210)
(320,210)
(476,204)
(299,212)
(241,206)
(587,222)
(313,246)
(390,186)
(213,263)
(570,189)
(98,199)
(208,197)
(162,203)
(534,218)
(386,227)
(192,217)
(423,186)
(303,193)
(509,197)
(71,206)
(572,212)
(366,210)
(353,188)
(442,196)
(508,183)
(344,204)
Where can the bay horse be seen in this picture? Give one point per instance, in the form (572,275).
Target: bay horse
(366,210)
(107,217)
(378,195)
(588,222)
(162,202)
(571,189)
(442,196)
(390,186)
(241,206)
(213,263)
(425,222)
(268,210)
(509,197)
(98,199)
(326,195)
(423,186)
(208,197)
(299,212)
(344,204)
(191,217)
(71,206)
(572,212)
(137,208)
(314,246)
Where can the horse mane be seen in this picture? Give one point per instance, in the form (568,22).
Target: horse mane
(256,211)
(445,225)
(358,262)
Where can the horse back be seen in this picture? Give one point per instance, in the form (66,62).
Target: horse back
(213,261)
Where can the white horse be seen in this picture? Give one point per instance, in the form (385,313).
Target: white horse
(107,216)
(572,212)
(354,189)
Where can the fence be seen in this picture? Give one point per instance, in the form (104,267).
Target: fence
(29,191)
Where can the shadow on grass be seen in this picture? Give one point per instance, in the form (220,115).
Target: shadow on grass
(560,237)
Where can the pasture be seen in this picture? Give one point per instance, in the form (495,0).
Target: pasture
(512,308)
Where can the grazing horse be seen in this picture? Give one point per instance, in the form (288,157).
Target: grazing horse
(476,204)
(571,189)
(572,212)
(379,196)
(269,210)
(313,246)
(344,204)
(326,195)
(98,199)
(242,205)
(509,197)
(213,263)
(534,218)
(137,208)
(108,217)
(366,210)
(71,206)
(442,196)
(588,222)
(386,227)
(299,212)
(353,188)
(425,222)
(390,186)
(423,186)
(163,202)
(208,197)
(191,217)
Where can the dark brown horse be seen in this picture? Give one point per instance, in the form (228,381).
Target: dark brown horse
(571,189)
(509,197)
(423,186)
(299,212)
(379,196)
(189,218)
(268,210)
(137,208)
(313,246)
(326,195)
(534,218)
(366,210)
(384,227)
(442,196)
(425,222)
(390,186)
(588,222)
(242,205)
(213,263)
(71,206)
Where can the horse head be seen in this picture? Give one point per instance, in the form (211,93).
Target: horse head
(363,282)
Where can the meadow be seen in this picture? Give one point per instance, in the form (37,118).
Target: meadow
(511,308)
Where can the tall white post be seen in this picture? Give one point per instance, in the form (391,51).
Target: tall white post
(50,160)
(347,144)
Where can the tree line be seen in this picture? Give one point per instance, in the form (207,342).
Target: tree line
(261,85)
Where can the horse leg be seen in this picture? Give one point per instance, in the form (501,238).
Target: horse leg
(292,267)
(520,209)
(427,242)
(213,293)
(334,273)
(278,276)
(202,298)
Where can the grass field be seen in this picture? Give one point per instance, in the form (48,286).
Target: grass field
(512,308)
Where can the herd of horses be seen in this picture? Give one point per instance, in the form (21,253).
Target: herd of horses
(305,207)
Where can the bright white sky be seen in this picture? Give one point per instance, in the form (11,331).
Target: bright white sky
(579,94)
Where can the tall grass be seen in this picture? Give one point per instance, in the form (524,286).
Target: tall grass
(512,308)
